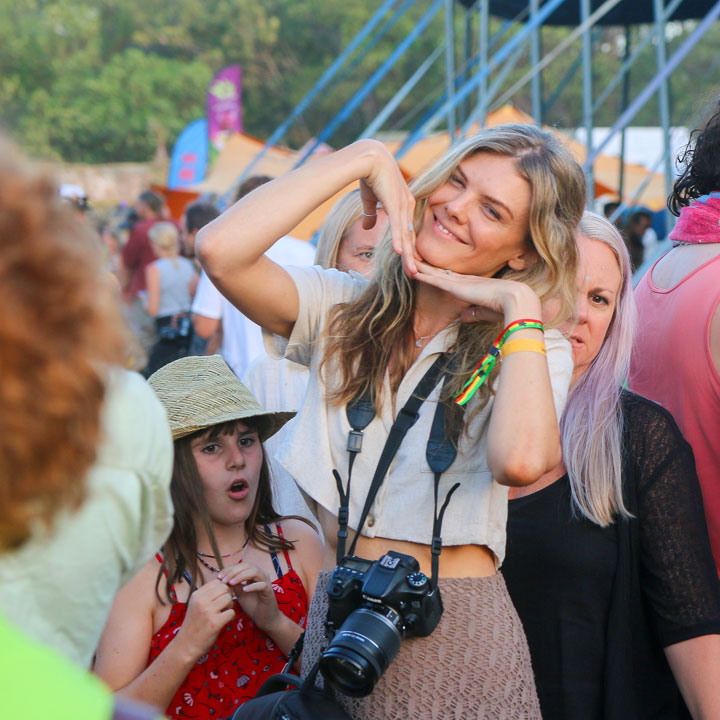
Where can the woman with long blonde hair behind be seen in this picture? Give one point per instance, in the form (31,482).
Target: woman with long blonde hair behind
(475,246)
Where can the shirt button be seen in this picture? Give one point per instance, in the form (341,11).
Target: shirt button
(370,521)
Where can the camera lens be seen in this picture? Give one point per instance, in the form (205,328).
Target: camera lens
(361,650)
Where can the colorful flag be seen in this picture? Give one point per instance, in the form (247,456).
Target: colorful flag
(189,156)
(224,108)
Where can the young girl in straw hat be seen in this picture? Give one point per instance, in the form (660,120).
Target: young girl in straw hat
(201,627)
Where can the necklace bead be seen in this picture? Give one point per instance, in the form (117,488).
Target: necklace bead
(212,568)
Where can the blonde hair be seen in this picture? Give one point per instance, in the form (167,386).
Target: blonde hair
(591,426)
(362,334)
(165,237)
(334,231)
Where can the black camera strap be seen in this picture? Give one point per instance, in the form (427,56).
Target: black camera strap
(441,453)
(360,413)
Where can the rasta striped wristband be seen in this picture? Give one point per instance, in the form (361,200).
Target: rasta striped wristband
(484,367)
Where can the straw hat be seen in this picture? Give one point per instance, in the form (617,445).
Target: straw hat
(202,391)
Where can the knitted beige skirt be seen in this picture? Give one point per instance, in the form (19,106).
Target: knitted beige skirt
(476,664)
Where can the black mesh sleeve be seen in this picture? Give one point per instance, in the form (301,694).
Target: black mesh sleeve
(677,571)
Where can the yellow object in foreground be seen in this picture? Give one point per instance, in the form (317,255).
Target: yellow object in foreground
(36,683)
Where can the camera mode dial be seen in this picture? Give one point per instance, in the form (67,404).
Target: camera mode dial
(417,580)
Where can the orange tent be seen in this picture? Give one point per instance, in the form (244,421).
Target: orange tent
(241,149)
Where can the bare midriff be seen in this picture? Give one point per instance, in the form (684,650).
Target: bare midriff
(456,561)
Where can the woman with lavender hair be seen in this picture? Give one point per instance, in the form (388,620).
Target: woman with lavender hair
(608,559)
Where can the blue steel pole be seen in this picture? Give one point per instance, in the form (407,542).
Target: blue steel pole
(587,96)
(629,61)
(664,92)
(483,47)
(400,95)
(450,65)
(374,79)
(471,85)
(535,86)
(355,43)
(646,93)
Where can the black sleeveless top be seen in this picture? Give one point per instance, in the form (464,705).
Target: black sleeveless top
(600,604)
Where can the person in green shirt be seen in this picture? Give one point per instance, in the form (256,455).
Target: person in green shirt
(61,326)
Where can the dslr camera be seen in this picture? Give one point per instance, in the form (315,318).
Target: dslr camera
(372,606)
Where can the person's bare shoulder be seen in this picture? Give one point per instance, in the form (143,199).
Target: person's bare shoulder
(300,532)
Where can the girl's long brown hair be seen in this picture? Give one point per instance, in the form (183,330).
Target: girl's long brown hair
(180,550)
(362,335)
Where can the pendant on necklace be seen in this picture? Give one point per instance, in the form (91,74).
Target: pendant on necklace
(419,342)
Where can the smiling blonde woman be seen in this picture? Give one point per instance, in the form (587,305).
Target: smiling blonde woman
(495,222)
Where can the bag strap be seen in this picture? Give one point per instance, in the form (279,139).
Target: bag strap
(286,677)
(294,654)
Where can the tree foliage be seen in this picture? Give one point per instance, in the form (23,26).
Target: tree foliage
(107,80)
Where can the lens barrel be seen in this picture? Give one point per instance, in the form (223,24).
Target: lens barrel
(361,650)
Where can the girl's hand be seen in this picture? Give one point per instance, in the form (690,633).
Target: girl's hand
(385,183)
(490,299)
(254,592)
(209,610)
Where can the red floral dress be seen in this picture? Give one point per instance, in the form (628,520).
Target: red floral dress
(241,659)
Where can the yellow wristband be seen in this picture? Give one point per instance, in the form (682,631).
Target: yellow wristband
(522,345)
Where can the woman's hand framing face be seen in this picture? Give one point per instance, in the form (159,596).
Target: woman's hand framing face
(385,184)
(489,299)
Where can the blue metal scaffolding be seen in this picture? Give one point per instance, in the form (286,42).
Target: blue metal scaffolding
(473,85)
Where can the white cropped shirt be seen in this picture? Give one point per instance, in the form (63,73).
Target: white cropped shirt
(403,508)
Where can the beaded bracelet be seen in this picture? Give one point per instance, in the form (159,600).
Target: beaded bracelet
(485,366)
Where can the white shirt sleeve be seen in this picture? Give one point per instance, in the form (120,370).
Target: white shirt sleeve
(208,301)
(560,365)
(318,291)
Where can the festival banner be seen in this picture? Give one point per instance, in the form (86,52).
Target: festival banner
(189,159)
(224,108)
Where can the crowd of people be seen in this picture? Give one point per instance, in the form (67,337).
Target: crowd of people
(449,453)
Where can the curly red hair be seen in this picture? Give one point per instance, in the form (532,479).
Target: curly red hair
(61,326)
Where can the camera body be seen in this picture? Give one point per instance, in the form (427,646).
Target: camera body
(372,606)
(394,581)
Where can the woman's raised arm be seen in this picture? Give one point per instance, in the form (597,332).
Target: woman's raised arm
(232,247)
(523,436)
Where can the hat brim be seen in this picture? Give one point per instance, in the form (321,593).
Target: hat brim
(268,423)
